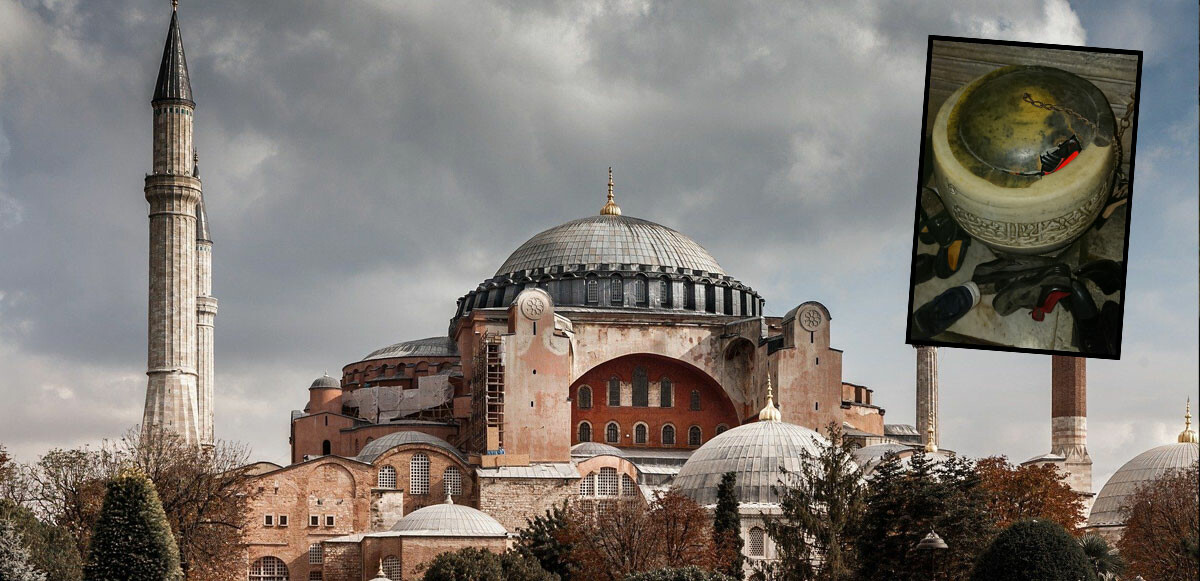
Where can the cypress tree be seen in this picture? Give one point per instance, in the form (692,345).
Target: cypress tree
(14,558)
(132,540)
(727,527)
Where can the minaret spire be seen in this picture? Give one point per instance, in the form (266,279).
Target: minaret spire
(1188,435)
(610,208)
(770,413)
(173,82)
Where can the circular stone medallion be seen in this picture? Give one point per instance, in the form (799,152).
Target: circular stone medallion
(810,319)
(533,307)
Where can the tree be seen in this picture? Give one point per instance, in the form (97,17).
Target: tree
(690,573)
(1025,492)
(1033,550)
(821,509)
(683,532)
(1162,534)
(517,567)
(472,564)
(727,528)
(904,505)
(1106,563)
(51,549)
(544,539)
(15,564)
(132,540)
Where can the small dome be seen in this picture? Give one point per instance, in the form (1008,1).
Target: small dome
(610,239)
(376,448)
(449,520)
(325,382)
(755,452)
(429,347)
(1143,468)
(593,449)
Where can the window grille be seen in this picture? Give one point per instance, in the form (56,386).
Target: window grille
(315,555)
(617,290)
(641,291)
(418,474)
(315,576)
(452,480)
(664,294)
(268,569)
(593,291)
(614,392)
(585,432)
(641,387)
(757,542)
(668,435)
(695,403)
(391,567)
(585,397)
(587,486)
(666,393)
(387,477)
(639,434)
(694,436)
(628,486)
(606,484)
(612,433)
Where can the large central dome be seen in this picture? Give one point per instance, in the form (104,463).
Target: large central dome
(609,239)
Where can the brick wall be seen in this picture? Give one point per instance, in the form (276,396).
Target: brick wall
(512,500)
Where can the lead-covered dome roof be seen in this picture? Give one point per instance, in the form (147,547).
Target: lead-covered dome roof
(449,520)
(429,347)
(1141,470)
(376,448)
(609,239)
(755,452)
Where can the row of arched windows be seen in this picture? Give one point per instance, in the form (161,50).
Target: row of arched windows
(418,477)
(641,393)
(612,433)
(640,287)
(606,483)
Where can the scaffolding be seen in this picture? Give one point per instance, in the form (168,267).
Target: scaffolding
(487,409)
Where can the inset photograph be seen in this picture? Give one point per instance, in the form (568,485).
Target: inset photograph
(1023,202)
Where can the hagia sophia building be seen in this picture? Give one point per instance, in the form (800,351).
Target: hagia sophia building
(608,358)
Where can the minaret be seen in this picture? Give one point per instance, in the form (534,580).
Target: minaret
(173,193)
(206,313)
(1068,420)
(927,395)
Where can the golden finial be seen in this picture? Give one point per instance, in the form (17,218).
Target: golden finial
(770,413)
(175,5)
(381,574)
(930,445)
(1188,435)
(610,208)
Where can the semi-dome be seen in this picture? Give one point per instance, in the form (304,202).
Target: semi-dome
(376,448)
(449,520)
(610,239)
(1142,469)
(325,382)
(593,449)
(755,452)
(428,347)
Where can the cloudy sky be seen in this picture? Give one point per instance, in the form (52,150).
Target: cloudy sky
(366,163)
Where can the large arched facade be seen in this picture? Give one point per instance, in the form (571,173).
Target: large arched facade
(646,400)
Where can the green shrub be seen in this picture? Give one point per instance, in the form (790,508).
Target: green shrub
(691,573)
(1033,550)
(132,540)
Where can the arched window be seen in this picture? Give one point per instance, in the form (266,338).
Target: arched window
(497,297)
(418,474)
(694,436)
(391,567)
(689,295)
(316,576)
(387,477)
(587,486)
(616,291)
(641,291)
(585,397)
(452,481)
(757,542)
(593,291)
(269,569)
(728,300)
(639,434)
(614,392)
(695,401)
(316,556)
(710,298)
(664,293)
(612,433)
(481,300)
(326,448)
(721,429)
(668,435)
(666,393)
(628,486)
(606,484)
(641,387)
(585,432)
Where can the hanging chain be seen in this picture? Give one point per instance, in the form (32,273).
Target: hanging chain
(1121,188)
(1051,107)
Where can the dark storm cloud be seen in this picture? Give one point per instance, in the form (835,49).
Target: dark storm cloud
(366,163)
